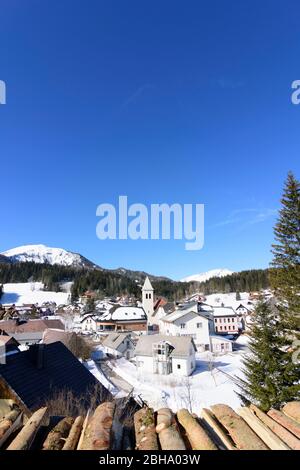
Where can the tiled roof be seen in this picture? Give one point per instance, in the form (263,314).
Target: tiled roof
(31,326)
(61,370)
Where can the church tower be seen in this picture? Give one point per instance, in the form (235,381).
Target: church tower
(147,298)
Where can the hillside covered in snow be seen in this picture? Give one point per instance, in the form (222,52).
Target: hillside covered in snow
(46,254)
(31,293)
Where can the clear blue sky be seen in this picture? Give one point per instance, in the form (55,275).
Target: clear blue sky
(163,101)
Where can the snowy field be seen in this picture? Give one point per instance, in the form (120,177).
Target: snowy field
(31,293)
(211,383)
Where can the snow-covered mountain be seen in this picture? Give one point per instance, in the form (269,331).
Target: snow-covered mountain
(45,254)
(202,277)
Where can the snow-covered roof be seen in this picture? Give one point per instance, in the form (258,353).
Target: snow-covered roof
(126,313)
(223,312)
(191,307)
(219,338)
(182,313)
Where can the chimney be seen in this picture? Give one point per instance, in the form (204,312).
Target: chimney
(36,353)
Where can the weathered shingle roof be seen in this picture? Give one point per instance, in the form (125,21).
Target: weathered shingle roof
(52,335)
(31,326)
(61,370)
(113,340)
(181,344)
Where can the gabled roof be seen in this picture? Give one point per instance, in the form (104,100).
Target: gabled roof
(181,344)
(52,335)
(114,340)
(147,284)
(224,312)
(61,371)
(184,310)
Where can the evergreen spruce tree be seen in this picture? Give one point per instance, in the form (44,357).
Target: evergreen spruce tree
(285,272)
(272,370)
(237,296)
(270,376)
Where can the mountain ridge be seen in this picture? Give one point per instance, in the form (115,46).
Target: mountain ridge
(203,277)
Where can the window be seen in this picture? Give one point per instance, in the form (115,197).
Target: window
(221,328)
(146,296)
(149,296)
(182,326)
(225,328)
(216,320)
(178,366)
(199,325)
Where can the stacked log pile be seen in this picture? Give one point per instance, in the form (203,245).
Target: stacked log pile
(217,428)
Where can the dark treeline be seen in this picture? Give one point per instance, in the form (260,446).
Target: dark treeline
(49,274)
(105,283)
(109,283)
(244,281)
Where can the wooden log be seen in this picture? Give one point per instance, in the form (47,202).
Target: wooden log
(26,436)
(73,437)
(170,439)
(277,429)
(164,419)
(197,436)
(266,435)
(241,434)
(97,434)
(292,410)
(17,424)
(168,432)
(144,426)
(214,425)
(57,436)
(80,442)
(285,421)
(8,421)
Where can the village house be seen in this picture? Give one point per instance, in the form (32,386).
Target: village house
(118,318)
(31,331)
(226,320)
(31,377)
(164,355)
(195,319)
(188,321)
(8,345)
(119,345)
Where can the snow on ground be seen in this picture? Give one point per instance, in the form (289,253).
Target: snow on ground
(98,374)
(31,293)
(204,388)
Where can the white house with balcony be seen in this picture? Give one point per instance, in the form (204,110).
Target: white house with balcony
(164,355)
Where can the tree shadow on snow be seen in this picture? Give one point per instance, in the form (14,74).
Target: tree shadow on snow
(9,298)
(203,366)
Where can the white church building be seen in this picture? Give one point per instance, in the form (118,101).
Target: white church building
(148,299)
